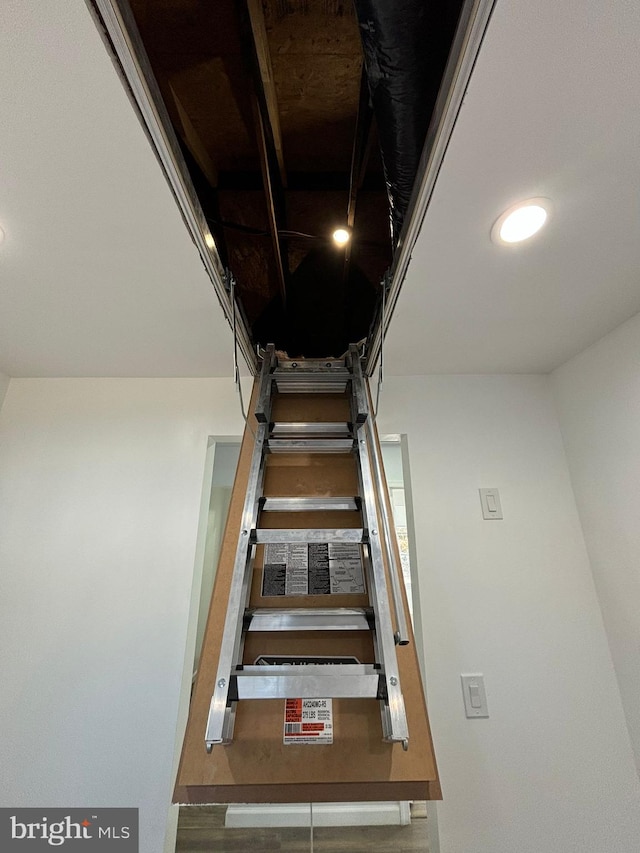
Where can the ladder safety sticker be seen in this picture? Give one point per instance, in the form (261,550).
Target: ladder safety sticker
(345,568)
(312,569)
(319,572)
(308,721)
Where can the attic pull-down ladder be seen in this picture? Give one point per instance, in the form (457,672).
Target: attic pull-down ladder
(379,680)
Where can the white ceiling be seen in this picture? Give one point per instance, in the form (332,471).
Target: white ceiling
(98,276)
(552,110)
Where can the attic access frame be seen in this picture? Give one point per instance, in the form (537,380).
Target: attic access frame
(117,25)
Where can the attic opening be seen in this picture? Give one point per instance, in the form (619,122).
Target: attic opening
(292,118)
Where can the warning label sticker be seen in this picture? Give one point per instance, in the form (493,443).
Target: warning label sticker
(312,569)
(308,721)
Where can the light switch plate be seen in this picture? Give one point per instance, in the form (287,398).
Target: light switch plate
(491,506)
(475,697)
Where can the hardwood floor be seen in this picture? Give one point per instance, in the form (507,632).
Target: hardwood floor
(201,828)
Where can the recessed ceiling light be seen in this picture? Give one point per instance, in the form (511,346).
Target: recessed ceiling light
(208,239)
(341,236)
(521,221)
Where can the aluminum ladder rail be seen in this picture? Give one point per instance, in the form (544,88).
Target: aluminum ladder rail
(236,681)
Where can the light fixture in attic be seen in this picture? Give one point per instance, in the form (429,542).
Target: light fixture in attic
(341,236)
(521,221)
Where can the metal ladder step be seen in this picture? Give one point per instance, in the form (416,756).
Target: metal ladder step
(310,619)
(306,428)
(310,504)
(330,381)
(310,375)
(265,536)
(309,445)
(311,387)
(311,681)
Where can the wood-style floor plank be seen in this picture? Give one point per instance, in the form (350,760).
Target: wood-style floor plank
(201,828)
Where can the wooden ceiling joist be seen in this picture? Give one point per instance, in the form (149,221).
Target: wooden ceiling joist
(193,142)
(256,49)
(267,177)
(308,182)
(361,148)
(263,56)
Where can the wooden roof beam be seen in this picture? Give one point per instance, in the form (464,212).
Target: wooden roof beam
(270,200)
(263,56)
(361,148)
(255,44)
(193,142)
(362,142)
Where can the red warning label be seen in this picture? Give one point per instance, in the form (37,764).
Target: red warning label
(308,721)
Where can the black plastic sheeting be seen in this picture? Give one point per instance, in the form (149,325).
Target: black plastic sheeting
(405,45)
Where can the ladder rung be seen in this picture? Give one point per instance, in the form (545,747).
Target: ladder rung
(310,445)
(330,381)
(295,428)
(310,619)
(264,536)
(309,504)
(292,364)
(306,386)
(328,375)
(343,681)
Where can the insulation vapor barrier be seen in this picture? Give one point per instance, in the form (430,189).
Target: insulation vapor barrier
(405,45)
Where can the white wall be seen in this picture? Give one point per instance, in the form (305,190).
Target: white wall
(598,399)
(551,769)
(100,492)
(4,384)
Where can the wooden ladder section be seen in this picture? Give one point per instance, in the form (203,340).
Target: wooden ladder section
(309,477)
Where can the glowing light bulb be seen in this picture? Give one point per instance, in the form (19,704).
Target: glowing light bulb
(521,221)
(341,236)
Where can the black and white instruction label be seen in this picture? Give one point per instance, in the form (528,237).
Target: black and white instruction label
(308,721)
(345,568)
(312,569)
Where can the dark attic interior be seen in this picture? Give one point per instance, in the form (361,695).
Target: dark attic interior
(296,118)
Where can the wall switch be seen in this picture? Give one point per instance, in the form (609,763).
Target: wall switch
(490,501)
(475,698)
